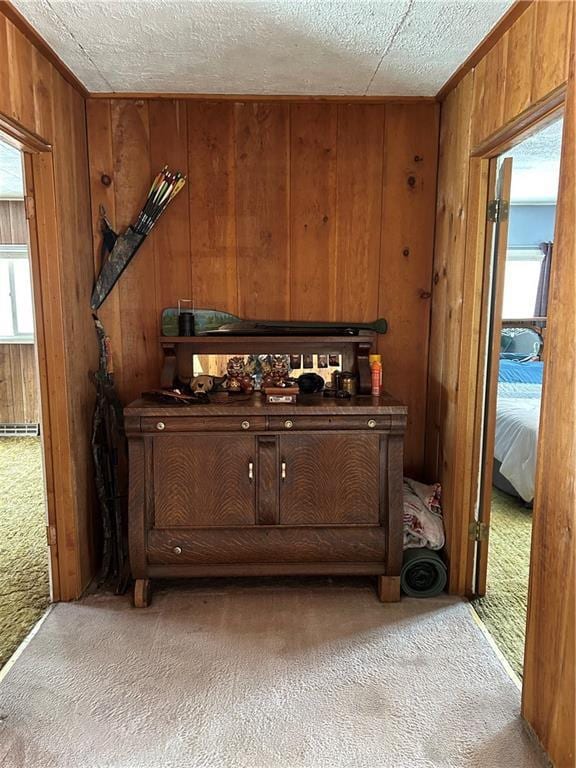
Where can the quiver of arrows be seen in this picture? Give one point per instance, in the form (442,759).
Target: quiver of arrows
(119,250)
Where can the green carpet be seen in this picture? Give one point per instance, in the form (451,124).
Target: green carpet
(24,588)
(503,609)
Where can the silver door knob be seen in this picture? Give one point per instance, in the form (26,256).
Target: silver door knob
(371,423)
(245,425)
(177,550)
(288,424)
(160,426)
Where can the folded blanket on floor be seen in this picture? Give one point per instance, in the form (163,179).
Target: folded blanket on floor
(423,525)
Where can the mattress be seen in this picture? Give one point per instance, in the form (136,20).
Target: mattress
(517,421)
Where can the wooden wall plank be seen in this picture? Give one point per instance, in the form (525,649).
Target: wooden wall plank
(359,210)
(99,126)
(406,258)
(262,204)
(18,390)
(6,382)
(137,290)
(13,224)
(30,385)
(548,700)
(212,201)
(313,159)
(20,83)
(449,260)
(169,146)
(42,87)
(518,91)
(550,47)
(5,106)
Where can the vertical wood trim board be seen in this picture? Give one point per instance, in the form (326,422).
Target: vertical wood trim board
(291,210)
(548,699)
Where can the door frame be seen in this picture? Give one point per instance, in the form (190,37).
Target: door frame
(472,369)
(41,213)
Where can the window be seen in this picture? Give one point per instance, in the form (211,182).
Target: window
(521,282)
(16,312)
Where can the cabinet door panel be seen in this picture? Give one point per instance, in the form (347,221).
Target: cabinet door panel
(204,480)
(329,479)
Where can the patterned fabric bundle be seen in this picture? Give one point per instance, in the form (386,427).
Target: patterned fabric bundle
(423,526)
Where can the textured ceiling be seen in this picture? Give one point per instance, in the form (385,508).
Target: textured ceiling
(536,166)
(304,47)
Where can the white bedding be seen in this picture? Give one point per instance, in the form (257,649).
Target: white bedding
(517,420)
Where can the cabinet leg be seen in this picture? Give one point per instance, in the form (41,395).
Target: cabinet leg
(389,589)
(142,593)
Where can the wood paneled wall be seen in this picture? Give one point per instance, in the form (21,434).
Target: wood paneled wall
(35,96)
(18,380)
(18,384)
(13,226)
(503,87)
(517,75)
(292,210)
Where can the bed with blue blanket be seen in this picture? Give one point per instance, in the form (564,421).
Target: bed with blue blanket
(517,420)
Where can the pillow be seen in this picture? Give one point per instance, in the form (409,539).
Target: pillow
(520,373)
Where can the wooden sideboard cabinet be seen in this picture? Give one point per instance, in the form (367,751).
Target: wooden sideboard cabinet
(243,488)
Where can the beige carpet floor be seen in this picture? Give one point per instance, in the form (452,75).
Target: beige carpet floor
(24,586)
(503,609)
(283,674)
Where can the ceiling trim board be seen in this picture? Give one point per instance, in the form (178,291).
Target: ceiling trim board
(23,25)
(261,97)
(508,20)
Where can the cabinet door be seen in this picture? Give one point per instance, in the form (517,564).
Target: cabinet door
(329,479)
(203,480)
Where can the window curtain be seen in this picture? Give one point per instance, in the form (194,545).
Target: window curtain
(541,307)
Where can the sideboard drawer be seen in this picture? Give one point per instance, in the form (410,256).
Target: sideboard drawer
(203,424)
(313,423)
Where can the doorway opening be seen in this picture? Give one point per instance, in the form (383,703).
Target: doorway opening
(24,554)
(523,216)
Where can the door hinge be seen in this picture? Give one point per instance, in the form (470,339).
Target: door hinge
(498,210)
(478,531)
(29,207)
(51,535)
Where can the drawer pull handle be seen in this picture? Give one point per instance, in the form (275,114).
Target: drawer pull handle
(371,423)
(283,470)
(177,550)
(160,426)
(288,424)
(250,471)
(245,425)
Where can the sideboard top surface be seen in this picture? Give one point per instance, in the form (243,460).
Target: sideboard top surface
(242,405)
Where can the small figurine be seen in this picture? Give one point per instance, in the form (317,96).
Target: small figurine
(236,371)
(280,370)
(205,383)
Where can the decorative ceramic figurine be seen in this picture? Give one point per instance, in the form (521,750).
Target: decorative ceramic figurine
(206,383)
(280,370)
(236,371)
